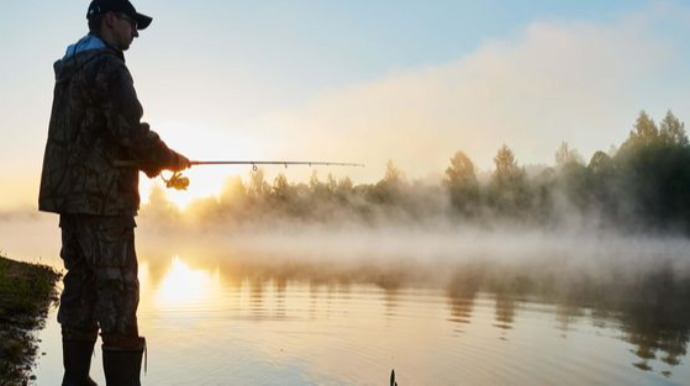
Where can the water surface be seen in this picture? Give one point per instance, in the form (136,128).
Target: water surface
(219,325)
(441,307)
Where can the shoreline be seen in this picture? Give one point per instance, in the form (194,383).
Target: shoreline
(26,292)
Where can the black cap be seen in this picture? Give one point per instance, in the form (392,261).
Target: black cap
(99,7)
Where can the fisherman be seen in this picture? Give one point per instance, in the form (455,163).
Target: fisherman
(96,123)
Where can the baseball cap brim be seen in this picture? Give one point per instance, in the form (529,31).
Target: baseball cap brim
(100,7)
(143,21)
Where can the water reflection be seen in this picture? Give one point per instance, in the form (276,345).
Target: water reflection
(280,289)
(218,314)
(182,286)
(505,310)
(460,309)
(653,315)
(230,321)
(237,321)
(390,301)
(657,320)
(566,316)
(256,294)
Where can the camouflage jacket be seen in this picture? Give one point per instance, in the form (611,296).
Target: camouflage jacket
(96,120)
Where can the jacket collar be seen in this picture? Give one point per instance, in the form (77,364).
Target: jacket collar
(92,42)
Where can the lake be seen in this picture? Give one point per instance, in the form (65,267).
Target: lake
(218,312)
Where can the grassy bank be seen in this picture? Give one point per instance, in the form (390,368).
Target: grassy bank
(26,291)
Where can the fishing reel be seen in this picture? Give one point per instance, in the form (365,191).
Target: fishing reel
(177,181)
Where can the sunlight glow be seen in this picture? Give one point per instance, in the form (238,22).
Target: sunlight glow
(184,286)
(213,139)
(180,199)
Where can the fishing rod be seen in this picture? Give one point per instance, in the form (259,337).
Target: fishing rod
(286,163)
(179,182)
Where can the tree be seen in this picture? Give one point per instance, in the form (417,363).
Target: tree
(573,177)
(602,171)
(644,133)
(654,174)
(506,166)
(393,175)
(672,131)
(601,164)
(461,182)
(319,190)
(344,188)
(233,193)
(331,183)
(258,188)
(508,190)
(281,187)
(345,185)
(389,189)
(314,180)
(567,156)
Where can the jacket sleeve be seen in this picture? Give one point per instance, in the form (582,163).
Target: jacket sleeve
(123,114)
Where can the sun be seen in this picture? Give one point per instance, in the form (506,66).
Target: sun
(203,185)
(184,286)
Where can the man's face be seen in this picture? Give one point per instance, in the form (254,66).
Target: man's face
(124,30)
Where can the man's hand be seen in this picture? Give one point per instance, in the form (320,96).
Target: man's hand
(179,162)
(176,163)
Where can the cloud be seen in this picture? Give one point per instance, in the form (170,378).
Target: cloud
(579,82)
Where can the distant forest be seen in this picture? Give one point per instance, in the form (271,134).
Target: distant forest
(644,185)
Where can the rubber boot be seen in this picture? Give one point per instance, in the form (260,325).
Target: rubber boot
(122,366)
(76,358)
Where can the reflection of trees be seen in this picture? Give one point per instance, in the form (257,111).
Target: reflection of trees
(656,318)
(313,298)
(390,301)
(157,269)
(505,310)
(651,308)
(256,293)
(461,309)
(566,314)
(600,317)
(280,288)
(461,293)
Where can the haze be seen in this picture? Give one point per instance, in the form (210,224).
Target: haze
(360,82)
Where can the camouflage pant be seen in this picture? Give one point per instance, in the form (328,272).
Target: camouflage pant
(101,288)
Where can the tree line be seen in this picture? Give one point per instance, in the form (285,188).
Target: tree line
(643,185)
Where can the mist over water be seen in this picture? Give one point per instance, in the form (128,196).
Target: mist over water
(427,254)
(426,245)
(279,283)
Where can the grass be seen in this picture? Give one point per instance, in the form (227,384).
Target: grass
(26,291)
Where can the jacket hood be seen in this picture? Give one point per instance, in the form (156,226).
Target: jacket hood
(80,53)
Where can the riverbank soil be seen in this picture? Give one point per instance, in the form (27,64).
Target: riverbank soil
(26,291)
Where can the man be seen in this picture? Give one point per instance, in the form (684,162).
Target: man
(95,129)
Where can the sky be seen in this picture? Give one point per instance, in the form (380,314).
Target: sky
(359,81)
